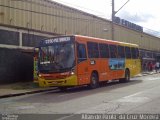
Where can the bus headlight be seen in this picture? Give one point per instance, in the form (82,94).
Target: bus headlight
(40,75)
(72,71)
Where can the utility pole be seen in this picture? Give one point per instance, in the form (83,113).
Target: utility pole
(113,16)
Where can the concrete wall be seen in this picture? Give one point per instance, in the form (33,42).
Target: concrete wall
(145,41)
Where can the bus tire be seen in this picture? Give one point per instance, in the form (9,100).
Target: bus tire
(127,77)
(62,88)
(94,82)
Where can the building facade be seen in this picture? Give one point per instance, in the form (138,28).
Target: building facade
(23,23)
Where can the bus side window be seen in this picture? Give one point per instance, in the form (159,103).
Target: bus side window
(93,51)
(134,53)
(121,52)
(104,50)
(113,51)
(137,53)
(81,51)
(128,52)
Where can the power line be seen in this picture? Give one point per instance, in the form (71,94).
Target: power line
(145,29)
(80,7)
(121,7)
(152,32)
(73,18)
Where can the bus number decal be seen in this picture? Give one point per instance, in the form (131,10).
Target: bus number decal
(93,62)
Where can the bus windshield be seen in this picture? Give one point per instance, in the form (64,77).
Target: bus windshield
(56,58)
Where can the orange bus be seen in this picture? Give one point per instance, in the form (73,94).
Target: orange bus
(66,61)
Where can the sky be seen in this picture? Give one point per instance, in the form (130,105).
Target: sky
(141,12)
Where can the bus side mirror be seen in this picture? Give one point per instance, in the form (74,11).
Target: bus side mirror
(35,51)
(35,64)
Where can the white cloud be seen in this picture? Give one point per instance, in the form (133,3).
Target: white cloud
(142,12)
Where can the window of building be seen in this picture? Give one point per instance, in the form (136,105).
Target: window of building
(9,37)
(92,50)
(31,40)
(104,50)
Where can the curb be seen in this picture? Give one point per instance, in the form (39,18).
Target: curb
(25,93)
(39,91)
(145,74)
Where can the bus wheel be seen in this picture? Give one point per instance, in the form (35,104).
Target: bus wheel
(94,81)
(127,77)
(62,88)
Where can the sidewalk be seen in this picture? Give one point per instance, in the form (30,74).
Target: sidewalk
(146,73)
(18,89)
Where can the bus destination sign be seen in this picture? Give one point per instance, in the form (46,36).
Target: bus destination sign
(57,40)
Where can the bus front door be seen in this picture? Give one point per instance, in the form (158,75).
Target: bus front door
(82,64)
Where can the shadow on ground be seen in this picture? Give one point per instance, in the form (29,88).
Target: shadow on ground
(57,96)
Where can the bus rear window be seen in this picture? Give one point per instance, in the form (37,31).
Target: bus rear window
(133,51)
(128,52)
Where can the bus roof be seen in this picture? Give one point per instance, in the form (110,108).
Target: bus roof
(109,41)
(96,40)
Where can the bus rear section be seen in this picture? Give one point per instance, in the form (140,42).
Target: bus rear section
(101,60)
(133,62)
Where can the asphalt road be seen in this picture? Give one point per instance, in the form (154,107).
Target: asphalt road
(140,95)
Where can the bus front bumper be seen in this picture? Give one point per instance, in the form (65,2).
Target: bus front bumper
(69,81)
